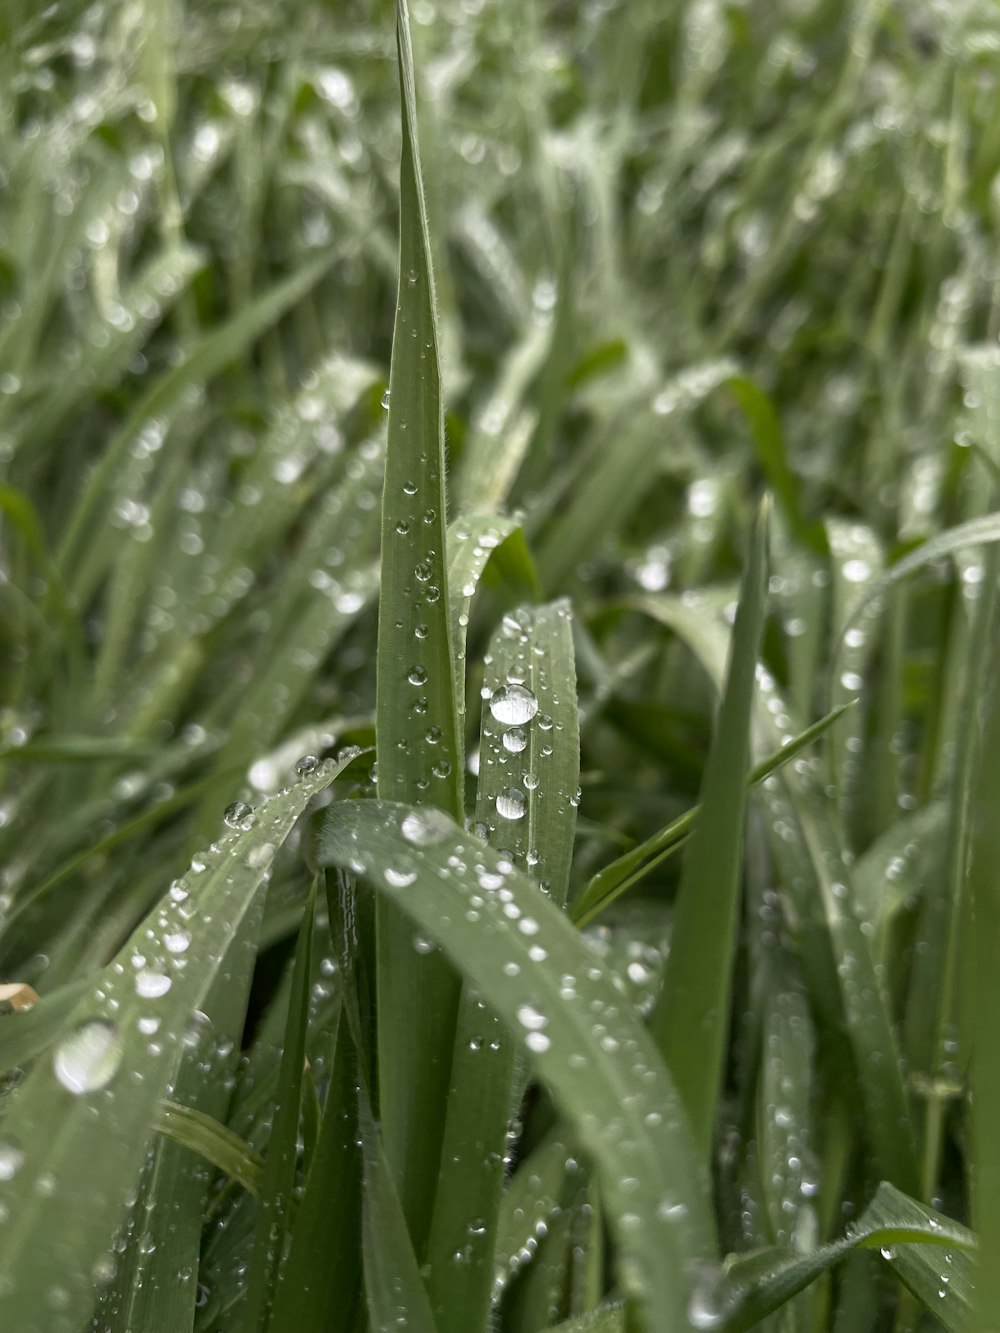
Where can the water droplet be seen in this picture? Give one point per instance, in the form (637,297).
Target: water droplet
(88,1058)
(510,803)
(513,705)
(423,828)
(856,571)
(151,985)
(306,765)
(177,941)
(399,879)
(515,740)
(530,1017)
(537,1042)
(11,1158)
(423,944)
(417,676)
(385,400)
(239,815)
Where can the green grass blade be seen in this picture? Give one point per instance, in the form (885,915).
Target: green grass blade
(981,950)
(529,767)
(471,543)
(598,1061)
(418,740)
(157,1281)
(201,1134)
(529,1202)
(834,949)
(26,1032)
(931,1253)
(277,1185)
(103,1060)
(396,1293)
(608,1319)
(628,869)
(691,1016)
(318,1283)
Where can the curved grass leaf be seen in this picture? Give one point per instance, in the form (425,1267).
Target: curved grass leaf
(418,740)
(931,1254)
(529,1202)
(599,1063)
(84,1117)
(691,1015)
(202,1134)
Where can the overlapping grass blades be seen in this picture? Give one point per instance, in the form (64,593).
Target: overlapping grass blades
(160,979)
(598,1061)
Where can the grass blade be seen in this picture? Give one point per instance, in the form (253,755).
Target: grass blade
(529,768)
(277,1185)
(416,718)
(599,1063)
(691,1015)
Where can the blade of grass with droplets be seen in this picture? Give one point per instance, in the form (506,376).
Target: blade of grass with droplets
(316,1285)
(529,768)
(691,1015)
(598,1061)
(277,1186)
(471,543)
(529,1201)
(26,1032)
(416,716)
(916,1241)
(835,951)
(105,1061)
(396,1294)
(156,1282)
(628,869)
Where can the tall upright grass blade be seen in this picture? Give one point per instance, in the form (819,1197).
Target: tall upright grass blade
(690,1019)
(416,717)
(597,1060)
(276,1202)
(529,767)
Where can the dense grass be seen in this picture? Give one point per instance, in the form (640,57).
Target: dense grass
(413,403)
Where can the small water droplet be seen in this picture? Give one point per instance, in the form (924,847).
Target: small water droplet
(515,740)
(88,1058)
(385,400)
(306,765)
(399,879)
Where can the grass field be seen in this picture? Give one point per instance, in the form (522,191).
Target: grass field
(500,733)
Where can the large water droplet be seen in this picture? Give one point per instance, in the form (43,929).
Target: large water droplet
(510,803)
(88,1058)
(513,705)
(306,765)
(151,985)
(239,815)
(11,1157)
(423,828)
(399,879)
(515,740)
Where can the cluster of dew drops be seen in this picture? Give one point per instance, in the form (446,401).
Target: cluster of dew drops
(86,1060)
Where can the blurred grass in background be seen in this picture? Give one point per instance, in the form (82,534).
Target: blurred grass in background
(683,253)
